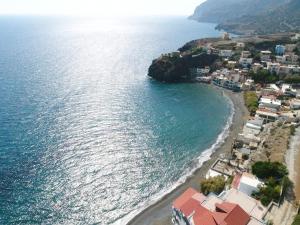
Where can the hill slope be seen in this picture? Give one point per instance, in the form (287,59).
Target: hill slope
(251,16)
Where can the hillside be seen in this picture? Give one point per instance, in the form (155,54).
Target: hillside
(217,11)
(251,16)
(283,19)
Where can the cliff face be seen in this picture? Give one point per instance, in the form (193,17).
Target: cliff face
(251,16)
(172,68)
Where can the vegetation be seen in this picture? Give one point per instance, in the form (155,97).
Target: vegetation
(251,101)
(276,181)
(292,79)
(213,184)
(266,170)
(269,192)
(264,76)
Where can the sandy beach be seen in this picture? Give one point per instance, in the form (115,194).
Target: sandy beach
(160,212)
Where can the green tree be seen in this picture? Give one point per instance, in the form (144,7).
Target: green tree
(265,170)
(213,184)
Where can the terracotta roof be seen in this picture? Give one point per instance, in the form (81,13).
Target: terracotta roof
(235,215)
(226,213)
(206,218)
(184,198)
(187,195)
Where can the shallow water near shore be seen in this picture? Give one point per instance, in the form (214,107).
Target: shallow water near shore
(85,136)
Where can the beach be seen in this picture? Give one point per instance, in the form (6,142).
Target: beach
(159,213)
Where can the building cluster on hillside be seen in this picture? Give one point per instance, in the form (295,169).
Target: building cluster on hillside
(277,103)
(237,62)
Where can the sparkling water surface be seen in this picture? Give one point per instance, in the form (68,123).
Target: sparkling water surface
(85,136)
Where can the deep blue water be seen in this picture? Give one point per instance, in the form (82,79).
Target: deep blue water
(85,136)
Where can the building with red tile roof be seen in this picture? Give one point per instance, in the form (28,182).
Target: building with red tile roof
(190,209)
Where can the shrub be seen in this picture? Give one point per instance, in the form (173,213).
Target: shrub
(269,192)
(213,184)
(266,170)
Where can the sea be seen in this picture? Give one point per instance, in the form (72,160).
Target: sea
(86,137)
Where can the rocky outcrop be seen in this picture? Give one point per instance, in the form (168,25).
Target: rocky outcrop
(176,68)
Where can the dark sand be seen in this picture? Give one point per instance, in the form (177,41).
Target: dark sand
(160,212)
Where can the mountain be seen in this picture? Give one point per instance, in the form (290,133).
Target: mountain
(217,11)
(251,16)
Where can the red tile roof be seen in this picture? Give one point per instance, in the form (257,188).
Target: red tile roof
(235,215)
(184,198)
(189,203)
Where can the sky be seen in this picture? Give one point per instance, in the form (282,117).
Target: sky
(99,7)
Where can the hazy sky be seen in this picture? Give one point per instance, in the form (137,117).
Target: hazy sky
(99,7)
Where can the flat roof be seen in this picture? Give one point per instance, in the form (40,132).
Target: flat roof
(252,206)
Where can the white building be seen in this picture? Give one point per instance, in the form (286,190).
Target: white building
(249,184)
(267,115)
(273,67)
(295,104)
(245,54)
(245,62)
(225,53)
(265,102)
(256,67)
(265,56)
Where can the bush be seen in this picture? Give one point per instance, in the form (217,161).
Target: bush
(266,170)
(213,184)
(269,192)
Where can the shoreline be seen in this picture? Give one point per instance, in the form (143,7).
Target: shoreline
(159,213)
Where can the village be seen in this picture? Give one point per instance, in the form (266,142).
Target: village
(253,183)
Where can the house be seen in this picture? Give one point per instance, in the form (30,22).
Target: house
(193,208)
(225,53)
(296,37)
(196,72)
(288,90)
(279,49)
(245,62)
(267,115)
(265,56)
(273,67)
(245,54)
(247,183)
(256,67)
(269,102)
(295,104)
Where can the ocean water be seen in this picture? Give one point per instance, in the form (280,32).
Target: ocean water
(85,136)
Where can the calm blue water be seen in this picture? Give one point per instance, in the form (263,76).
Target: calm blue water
(85,136)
